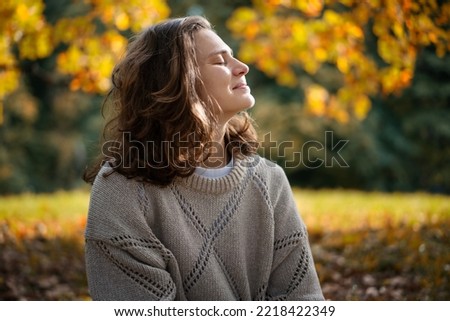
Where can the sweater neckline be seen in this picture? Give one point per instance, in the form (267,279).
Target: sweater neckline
(215,172)
(221,184)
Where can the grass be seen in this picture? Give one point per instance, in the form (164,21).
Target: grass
(61,205)
(329,210)
(366,246)
(42,246)
(322,210)
(379,246)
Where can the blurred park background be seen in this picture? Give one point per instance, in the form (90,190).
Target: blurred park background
(373,73)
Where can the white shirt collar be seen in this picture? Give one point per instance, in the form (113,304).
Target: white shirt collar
(215,172)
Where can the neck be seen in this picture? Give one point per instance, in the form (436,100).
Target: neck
(219,155)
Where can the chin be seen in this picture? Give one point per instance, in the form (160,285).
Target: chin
(251,102)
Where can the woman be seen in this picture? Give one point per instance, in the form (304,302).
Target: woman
(181,207)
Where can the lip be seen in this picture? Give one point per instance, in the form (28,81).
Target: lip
(240,85)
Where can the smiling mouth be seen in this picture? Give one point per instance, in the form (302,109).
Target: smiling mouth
(239,86)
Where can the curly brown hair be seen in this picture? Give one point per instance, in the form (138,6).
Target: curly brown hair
(161,125)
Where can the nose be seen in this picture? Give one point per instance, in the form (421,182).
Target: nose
(240,69)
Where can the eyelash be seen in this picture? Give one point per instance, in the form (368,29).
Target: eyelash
(222,63)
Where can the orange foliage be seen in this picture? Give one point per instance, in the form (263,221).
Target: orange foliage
(311,33)
(91,53)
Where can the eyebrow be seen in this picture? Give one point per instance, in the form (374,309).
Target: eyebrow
(221,52)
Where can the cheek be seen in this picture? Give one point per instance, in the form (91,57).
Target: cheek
(216,82)
(216,86)
(215,75)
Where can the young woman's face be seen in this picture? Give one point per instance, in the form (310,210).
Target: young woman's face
(222,74)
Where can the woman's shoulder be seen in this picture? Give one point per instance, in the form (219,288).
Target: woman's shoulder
(266,167)
(109,181)
(116,205)
(267,170)
(112,189)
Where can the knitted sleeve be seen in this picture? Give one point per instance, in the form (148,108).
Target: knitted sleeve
(124,260)
(293,275)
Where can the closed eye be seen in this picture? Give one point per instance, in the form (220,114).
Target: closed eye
(221,63)
(221,57)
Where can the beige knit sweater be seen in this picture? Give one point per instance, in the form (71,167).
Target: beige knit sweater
(238,237)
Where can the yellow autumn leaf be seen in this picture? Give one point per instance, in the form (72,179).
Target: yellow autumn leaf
(380,25)
(104,83)
(406,77)
(115,42)
(353,31)
(336,110)
(105,66)
(146,12)
(6,57)
(106,14)
(361,14)
(269,65)
(320,53)
(36,45)
(386,49)
(29,15)
(251,52)
(76,29)
(122,21)
(316,99)
(75,84)
(93,47)
(9,81)
(44,43)
(311,8)
(299,32)
(71,60)
(332,17)
(240,19)
(390,80)
(342,64)
(286,77)
(345,95)
(340,115)
(310,64)
(22,12)
(251,30)
(361,106)
(398,29)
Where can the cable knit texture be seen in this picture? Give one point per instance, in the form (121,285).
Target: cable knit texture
(237,237)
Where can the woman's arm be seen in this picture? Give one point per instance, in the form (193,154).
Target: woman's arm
(293,275)
(128,272)
(124,260)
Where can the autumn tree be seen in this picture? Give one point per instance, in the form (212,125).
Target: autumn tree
(56,58)
(92,37)
(282,37)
